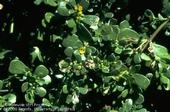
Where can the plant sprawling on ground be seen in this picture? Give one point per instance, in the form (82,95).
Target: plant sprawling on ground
(78,55)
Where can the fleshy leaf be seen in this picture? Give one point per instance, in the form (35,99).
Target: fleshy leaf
(160,51)
(51,2)
(72,41)
(165,81)
(145,57)
(46,102)
(140,99)
(140,80)
(24,86)
(29,97)
(41,91)
(62,9)
(48,16)
(11,98)
(69,51)
(128,33)
(91,19)
(83,90)
(65,90)
(41,71)
(17,67)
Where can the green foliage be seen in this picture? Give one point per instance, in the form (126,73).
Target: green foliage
(80,49)
(17,67)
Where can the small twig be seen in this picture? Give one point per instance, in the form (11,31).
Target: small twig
(155,34)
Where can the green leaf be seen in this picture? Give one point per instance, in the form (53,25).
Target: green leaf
(11,98)
(47,79)
(109,32)
(165,81)
(71,23)
(75,99)
(46,102)
(59,76)
(79,57)
(69,51)
(24,86)
(148,13)
(62,9)
(145,57)
(41,71)
(85,4)
(51,2)
(140,80)
(65,90)
(124,24)
(109,15)
(140,99)
(83,32)
(41,91)
(72,41)
(29,97)
(124,93)
(118,50)
(90,19)
(83,90)
(1,84)
(2,54)
(17,67)
(36,54)
(69,99)
(137,58)
(72,2)
(63,64)
(38,2)
(48,16)
(43,23)
(128,33)
(160,51)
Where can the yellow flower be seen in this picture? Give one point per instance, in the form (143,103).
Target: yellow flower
(82,50)
(79,11)
(78,8)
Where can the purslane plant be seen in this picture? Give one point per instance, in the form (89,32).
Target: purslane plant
(101,59)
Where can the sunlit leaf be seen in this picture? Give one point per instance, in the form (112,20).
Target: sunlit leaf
(140,80)
(29,97)
(165,81)
(41,91)
(128,33)
(145,57)
(124,24)
(65,90)
(48,16)
(46,102)
(17,67)
(11,98)
(41,71)
(160,51)
(83,90)
(62,9)
(51,2)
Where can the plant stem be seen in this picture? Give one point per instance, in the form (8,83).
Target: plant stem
(155,34)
